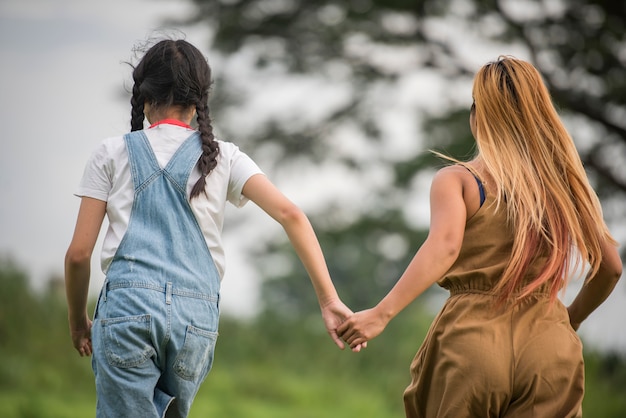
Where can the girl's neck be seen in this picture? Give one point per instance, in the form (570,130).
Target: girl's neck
(168,121)
(169,114)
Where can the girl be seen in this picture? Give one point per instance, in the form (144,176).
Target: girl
(506,230)
(163,190)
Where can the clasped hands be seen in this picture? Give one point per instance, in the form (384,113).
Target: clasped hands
(355,329)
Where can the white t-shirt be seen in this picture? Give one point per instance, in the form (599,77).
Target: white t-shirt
(107,177)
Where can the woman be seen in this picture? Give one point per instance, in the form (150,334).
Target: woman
(507,230)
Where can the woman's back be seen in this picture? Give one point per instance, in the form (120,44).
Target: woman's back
(485,252)
(484,358)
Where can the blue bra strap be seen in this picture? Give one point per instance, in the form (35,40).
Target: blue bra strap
(481,189)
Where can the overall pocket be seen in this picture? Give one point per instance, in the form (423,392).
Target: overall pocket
(127,340)
(195,359)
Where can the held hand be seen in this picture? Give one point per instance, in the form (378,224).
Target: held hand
(81,339)
(361,327)
(334,314)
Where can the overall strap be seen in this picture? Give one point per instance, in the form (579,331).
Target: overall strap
(145,167)
(183,161)
(143,162)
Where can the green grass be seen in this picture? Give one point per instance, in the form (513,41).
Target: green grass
(264,392)
(270,367)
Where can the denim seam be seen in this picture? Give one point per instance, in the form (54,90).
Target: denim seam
(162,289)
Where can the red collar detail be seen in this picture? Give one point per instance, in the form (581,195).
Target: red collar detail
(170,122)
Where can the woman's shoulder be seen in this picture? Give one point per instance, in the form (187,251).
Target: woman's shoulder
(466,172)
(454,172)
(465,179)
(450,178)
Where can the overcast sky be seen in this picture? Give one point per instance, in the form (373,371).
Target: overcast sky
(61,92)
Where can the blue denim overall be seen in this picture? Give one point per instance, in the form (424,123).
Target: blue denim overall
(156,322)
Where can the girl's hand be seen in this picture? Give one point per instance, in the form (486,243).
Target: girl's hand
(78,271)
(81,339)
(362,327)
(334,314)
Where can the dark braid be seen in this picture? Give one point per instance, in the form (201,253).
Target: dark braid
(136,113)
(210,147)
(137,100)
(175,73)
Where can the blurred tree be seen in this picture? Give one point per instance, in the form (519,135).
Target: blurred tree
(377,70)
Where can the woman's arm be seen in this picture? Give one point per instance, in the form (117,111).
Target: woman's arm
(597,288)
(301,235)
(77,271)
(430,263)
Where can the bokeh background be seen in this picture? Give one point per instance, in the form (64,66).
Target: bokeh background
(339,103)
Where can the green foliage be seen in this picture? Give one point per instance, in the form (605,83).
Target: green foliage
(291,369)
(365,259)
(605,374)
(361,46)
(577,45)
(40,375)
(269,367)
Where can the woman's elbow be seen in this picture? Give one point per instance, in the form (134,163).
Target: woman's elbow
(611,265)
(446,248)
(616,272)
(452,251)
(451,245)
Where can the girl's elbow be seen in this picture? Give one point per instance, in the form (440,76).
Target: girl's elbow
(75,257)
(290,214)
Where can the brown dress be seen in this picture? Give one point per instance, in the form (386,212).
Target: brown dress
(523,360)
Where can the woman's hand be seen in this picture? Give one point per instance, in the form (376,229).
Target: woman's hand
(334,314)
(362,327)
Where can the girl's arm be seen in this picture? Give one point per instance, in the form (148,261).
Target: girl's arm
(77,271)
(301,235)
(597,288)
(431,262)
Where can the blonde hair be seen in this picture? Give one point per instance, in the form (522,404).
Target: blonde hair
(539,177)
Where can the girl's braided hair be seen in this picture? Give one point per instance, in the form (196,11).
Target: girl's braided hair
(175,73)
